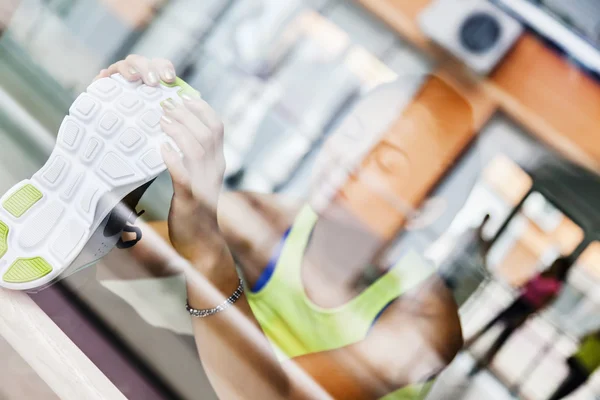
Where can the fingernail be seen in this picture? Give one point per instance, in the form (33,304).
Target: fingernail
(170,74)
(152,78)
(168,104)
(133,71)
(189,97)
(166,119)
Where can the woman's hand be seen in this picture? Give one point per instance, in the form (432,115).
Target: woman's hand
(234,351)
(136,67)
(197,177)
(197,173)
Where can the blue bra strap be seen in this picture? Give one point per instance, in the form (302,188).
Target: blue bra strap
(266,274)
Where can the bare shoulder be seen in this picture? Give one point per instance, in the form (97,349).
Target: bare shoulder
(418,334)
(258,208)
(414,339)
(431,310)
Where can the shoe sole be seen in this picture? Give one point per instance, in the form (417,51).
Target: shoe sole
(106,147)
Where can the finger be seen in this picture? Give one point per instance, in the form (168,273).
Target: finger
(119,67)
(113,69)
(215,160)
(209,117)
(205,113)
(165,69)
(183,138)
(186,118)
(176,168)
(144,67)
(102,74)
(127,71)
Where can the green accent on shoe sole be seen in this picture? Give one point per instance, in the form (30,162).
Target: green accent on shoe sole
(26,270)
(3,239)
(185,88)
(22,200)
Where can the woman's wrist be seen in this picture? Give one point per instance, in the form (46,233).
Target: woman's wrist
(215,269)
(221,270)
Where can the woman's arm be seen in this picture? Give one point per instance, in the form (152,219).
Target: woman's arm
(265,218)
(236,355)
(252,225)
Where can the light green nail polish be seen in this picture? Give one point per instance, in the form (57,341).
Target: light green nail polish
(168,104)
(152,78)
(169,74)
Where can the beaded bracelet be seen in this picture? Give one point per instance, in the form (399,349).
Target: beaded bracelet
(221,307)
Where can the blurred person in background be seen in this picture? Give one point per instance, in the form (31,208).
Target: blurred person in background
(582,364)
(316,281)
(536,295)
(472,242)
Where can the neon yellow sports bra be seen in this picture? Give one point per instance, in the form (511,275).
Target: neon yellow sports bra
(295,326)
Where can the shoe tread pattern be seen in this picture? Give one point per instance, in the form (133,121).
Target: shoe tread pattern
(107,145)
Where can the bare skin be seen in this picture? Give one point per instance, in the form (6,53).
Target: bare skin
(413,339)
(426,317)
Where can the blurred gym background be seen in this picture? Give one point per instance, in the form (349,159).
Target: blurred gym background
(281,73)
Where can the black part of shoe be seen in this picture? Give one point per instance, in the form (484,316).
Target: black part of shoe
(475,370)
(234,180)
(130,243)
(124,212)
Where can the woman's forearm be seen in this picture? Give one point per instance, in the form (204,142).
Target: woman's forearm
(234,351)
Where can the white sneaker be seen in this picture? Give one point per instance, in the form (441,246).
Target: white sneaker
(107,147)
